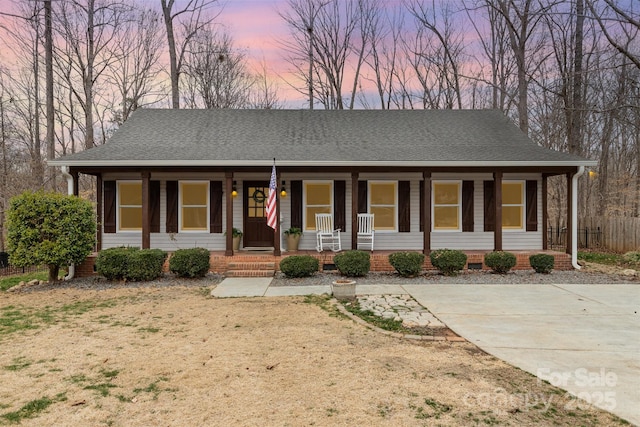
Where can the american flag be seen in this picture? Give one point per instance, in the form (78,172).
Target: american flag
(272,210)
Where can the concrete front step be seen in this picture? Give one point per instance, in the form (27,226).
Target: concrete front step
(250,273)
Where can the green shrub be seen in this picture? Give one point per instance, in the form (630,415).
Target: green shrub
(49,228)
(113,263)
(499,261)
(542,263)
(192,262)
(633,256)
(448,261)
(145,264)
(353,263)
(407,264)
(130,263)
(299,266)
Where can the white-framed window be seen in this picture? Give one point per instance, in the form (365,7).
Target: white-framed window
(513,207)
(193,208)
(129,198)
(318,198)
(383,203)
(447,205)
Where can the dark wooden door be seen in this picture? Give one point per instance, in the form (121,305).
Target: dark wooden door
(256,231)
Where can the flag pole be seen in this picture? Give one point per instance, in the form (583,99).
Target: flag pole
(273,208)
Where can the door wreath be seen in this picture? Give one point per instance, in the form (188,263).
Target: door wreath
(259,196)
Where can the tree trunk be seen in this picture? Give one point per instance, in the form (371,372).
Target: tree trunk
(53,273)
(173,60)
(48,47)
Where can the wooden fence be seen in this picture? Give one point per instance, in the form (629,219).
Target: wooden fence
(619,234)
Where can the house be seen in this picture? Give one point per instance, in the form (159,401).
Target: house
(173,179)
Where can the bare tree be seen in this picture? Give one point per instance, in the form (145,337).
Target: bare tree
(522,17)
(264,93)
(620,24)
(192,17)
(384,29)
(323,37)
(439,57)
(135,68)
(88,29)
(217,75)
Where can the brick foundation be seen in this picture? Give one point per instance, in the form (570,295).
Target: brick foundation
(379,261)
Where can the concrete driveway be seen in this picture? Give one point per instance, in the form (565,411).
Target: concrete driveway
(582,338)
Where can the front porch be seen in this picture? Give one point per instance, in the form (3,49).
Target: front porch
(265,263)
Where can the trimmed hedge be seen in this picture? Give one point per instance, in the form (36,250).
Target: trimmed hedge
(542,263)
(353,263)
(500,261)
(145,264)
(192,262)
(130,263)
(407,264)
(448,261)
(299,266)
(113,263)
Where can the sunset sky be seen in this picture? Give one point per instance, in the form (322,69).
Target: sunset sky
(256,26)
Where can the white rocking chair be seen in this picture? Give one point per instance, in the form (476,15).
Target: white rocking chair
(365,231)
(326,236)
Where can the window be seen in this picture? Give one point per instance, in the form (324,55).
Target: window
(447,214)
(383,196)
(129,206)
(513,205)
(194,203)
(318,198)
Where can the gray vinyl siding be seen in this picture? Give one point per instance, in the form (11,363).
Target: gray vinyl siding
(413,240)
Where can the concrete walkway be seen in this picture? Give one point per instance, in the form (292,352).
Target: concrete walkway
(582,338)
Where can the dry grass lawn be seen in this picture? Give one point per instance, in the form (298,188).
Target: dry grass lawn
(176,356)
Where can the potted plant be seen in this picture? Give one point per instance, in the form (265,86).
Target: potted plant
(236,234)
(293,238)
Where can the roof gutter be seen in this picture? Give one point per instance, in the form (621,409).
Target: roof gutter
(574,218)
(66,174)
(315,163)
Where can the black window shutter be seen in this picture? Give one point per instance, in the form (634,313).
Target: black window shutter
(467,206)
(215,207)
(339,205)
(109,195)
(404,206)
(362,196)
(421,205)
(296,204)
(489,207)
(172,207)
(154,202)
(532,205)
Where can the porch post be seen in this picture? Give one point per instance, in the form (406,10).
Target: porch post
(99,212)
(146,214)
(354,209)
(426,208)
(276,232)
(76,186)
(228,188)
(545,214)
(569,212)
(497,191)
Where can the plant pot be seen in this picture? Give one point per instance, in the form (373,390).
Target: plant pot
(236,243)
(292,242)
(344,289)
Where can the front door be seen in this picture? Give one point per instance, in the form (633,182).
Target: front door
(256,231)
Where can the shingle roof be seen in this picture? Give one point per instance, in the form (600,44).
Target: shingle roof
(303,137)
